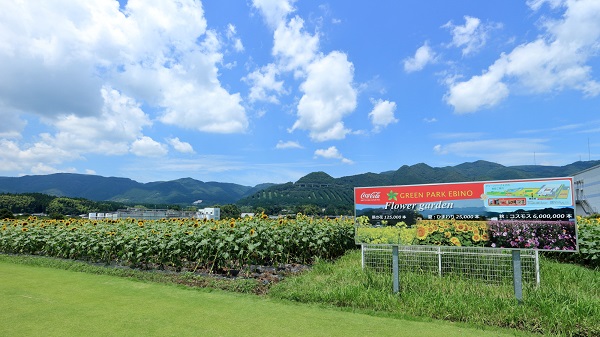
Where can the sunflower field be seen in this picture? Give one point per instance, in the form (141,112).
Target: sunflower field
(176,243)
(589,244)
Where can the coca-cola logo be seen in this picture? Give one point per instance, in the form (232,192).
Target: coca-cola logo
(370,196)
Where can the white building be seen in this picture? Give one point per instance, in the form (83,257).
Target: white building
(587,191)
(209,213)
(102,216)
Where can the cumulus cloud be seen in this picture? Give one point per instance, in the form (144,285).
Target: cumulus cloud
(480,91)
(56,56)
(554,62)
(423,56)
(288,145)
(120,122)
(180,146)
(294,48)
(382,114)
(274,11)
(471,37)
(332,153)
(86,69)
(327,87)
(264,84)
(12,125)
(34,158)
(148,147)
(328,97)
(111,133)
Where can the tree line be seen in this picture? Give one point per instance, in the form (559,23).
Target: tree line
(56,206)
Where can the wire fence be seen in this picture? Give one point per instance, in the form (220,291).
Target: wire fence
(492,265)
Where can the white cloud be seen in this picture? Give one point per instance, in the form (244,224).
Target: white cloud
(231,35)
(119,124)
(328,97)
(482,91)
(328,93)
(148,147)
(12,125)
(332,153)
(46,169)
(423,56)
(38,155)
(553,62)
(511,151)
(459,135)
(87,68)
(274,11)
(430,120)
(264,83)
(56,56)
(471,37)
(288,145)
(537,4)
(180,146)
(294,48)
(382,114)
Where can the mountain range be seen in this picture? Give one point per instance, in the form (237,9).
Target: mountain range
(317,188)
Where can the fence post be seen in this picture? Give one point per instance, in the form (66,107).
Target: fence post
(395,281)
(362,256)
(537,269)
(439,251)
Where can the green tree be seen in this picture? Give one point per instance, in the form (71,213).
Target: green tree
(16,203)
(6,214)
(309,209)
(229,211)
(57,216)
(67,206)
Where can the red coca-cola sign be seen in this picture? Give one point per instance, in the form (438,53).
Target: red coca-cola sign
(370,196)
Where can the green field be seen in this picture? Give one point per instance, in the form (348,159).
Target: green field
(40,301)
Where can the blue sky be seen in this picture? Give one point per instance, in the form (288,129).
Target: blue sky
(259,91)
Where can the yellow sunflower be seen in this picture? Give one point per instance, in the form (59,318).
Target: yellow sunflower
(421,233)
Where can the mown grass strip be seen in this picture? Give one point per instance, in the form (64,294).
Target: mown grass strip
(39,301)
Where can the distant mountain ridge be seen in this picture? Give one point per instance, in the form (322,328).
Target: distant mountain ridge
(320,189)
(98,188)
(317,188)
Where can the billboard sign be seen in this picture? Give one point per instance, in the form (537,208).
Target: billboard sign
(515,214)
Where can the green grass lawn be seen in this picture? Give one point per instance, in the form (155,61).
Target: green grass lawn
(41,301)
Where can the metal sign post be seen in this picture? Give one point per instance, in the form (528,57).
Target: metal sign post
(517,275)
